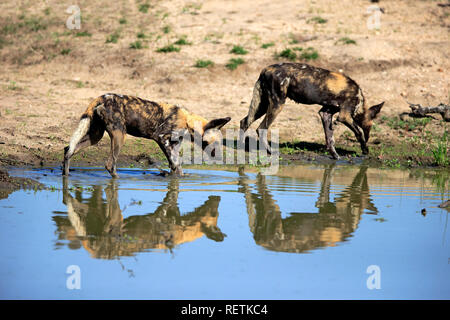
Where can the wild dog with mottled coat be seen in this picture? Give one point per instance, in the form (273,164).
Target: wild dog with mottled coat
(120,115)
(303,83)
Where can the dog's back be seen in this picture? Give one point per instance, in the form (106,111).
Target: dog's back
(307,84)
(136,116)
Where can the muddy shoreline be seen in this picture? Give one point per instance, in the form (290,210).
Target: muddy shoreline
(10,184)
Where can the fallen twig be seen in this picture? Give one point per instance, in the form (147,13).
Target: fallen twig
(418,110)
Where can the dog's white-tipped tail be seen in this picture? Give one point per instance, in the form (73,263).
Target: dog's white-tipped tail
(80,132)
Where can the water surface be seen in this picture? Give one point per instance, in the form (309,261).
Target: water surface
(307,233)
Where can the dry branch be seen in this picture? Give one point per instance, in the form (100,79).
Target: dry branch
(418,110)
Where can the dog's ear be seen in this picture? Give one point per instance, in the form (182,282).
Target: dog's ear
(216,123)
(374,110)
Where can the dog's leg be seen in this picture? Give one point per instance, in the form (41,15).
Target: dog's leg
(172,155)
(175,159)
(359,135)
(327,122)
(117,140)
(66,161)
(346,118)
(272,112)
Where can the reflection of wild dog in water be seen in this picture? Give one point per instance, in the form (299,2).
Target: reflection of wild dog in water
(337,218)
(99,226)
(120,114)
(335,92)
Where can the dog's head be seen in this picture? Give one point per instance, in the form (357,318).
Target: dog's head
(365,121)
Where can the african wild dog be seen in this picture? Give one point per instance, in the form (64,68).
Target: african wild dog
(334,91)
(120,115)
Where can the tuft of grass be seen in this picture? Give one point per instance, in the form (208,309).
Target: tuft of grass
(309,54)
(141,35)
(144,7)
(123,21)
(192,8)
(10,28)
(83,34)
(346,40)
(65,51)
(166,29)
(288,54)
(182,42)
(35,24)
(292,38)
(169,48)
(234,63)
(238,50)
(408,125)
(13,86)
(317,19)
(136,45)
(3,42)
(440,152)
(112,38)
(267,45)
(203,63)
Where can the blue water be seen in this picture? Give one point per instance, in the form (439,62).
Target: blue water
(225,235)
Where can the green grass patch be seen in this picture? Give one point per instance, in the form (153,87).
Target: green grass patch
(408,125)
(267,45)
(65,51)
(288,54)
(136,45)
(3,42)
(112,38)
(182,42)
(166,29)
(318,20)
(234,63)
(238,50)
(83,34)
(169,48)
(141,35)
(309,54)
(9,28)
(192,8)
(441,151)
(144,7)
(35,24)
(203,63)
(32,24)
(346,40)
(123,21)
(13,86)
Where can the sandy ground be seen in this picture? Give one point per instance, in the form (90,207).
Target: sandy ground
(49,74)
